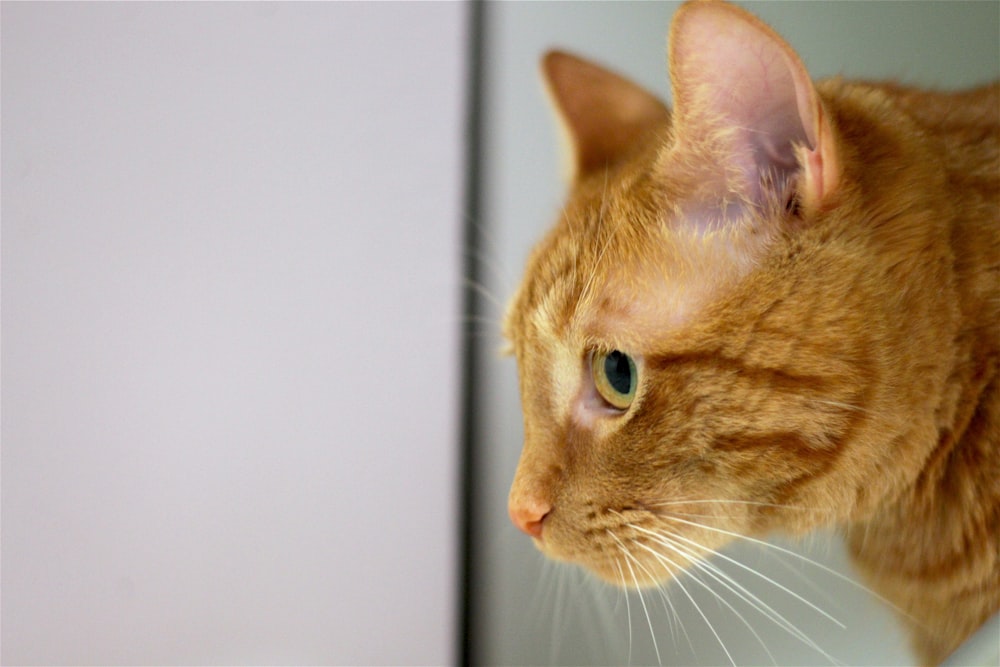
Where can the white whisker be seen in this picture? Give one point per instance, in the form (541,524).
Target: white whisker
(488,242)
(629,559)
(744,593)
(765,578)
(558,625)
(667,561)
(789,552)
(725,501)
(497,270)
(674,616)
(628,608)
(708,568)
(804,579)
(484,292)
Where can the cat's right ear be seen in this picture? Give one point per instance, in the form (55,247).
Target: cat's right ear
(738,83)
(602,113)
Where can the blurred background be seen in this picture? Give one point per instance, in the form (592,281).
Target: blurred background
(254,258)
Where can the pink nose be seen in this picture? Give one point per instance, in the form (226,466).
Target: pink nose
(529,517)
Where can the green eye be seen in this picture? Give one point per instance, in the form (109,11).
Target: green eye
(615,377)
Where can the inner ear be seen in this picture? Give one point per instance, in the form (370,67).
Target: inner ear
(603,113)
(739,85)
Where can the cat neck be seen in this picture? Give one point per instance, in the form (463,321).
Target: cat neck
(943,531)
(943,528)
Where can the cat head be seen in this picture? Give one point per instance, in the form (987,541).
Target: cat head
(692,359)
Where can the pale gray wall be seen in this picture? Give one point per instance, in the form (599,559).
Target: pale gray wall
(231,280)
(531,612)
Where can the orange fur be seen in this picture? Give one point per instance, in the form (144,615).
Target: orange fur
(832,359)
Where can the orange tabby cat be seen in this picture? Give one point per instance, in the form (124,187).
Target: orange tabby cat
(776,307)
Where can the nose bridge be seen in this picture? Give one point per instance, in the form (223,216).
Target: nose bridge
(532,491)
(537,472)
(545,389)
(536,482)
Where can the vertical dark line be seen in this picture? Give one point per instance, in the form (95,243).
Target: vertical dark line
(472,210)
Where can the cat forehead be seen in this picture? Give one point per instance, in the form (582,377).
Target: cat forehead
(634,258)
(634,294)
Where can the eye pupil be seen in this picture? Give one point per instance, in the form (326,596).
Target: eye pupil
(619,372)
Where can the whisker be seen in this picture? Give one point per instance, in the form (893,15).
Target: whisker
(726,501)
(708,569)
(673,541)
(547,603)
(488,241)
(706,515)
(629,559)
(671,610)
(742,592)
(674,616)
(802,578)
(558,625)
(789,552)
(628,608)
(484,292)
(765,578)
(585,605)
(667,561)
(605,617)
(498,272)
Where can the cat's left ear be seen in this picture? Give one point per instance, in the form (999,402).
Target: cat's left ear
(736,80)
(603,114)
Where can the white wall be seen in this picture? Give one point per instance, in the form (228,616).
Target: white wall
(531,612)
(231,280)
